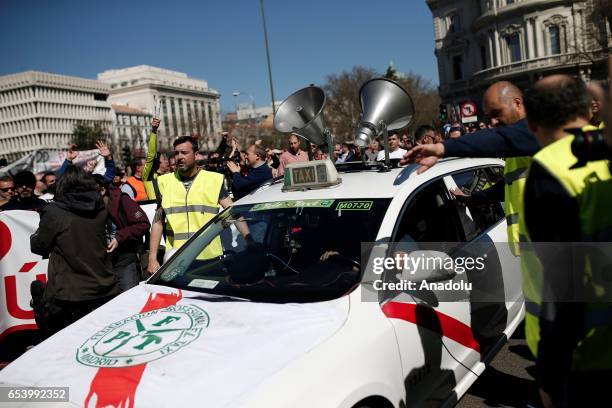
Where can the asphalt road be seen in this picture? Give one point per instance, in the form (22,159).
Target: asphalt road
(508,381)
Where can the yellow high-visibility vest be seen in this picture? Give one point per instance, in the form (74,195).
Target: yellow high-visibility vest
(591,187)
(186,212)
(515,174)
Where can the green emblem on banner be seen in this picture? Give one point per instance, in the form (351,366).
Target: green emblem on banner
(144,337)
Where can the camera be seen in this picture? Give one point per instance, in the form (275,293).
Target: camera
(589,145)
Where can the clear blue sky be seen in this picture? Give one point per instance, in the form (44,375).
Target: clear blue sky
(219,41)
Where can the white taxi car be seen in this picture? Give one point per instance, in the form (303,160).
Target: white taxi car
(290,316)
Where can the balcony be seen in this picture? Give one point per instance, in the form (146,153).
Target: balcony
(535,64)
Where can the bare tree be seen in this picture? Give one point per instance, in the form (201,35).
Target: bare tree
(343,108)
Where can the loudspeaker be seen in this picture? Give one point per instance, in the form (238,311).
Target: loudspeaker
(385,100)
(300,113)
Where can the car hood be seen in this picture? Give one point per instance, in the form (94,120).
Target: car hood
(155,346)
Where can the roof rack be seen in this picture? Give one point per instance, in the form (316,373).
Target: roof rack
(356,166)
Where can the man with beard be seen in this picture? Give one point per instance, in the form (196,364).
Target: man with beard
(24,198)
(293,155)
(190,197)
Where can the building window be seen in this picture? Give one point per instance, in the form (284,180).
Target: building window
(173,114)
(453,23)
(483,57)
(182,115)
(514,46)
(457,67)
(555,40)
(210,119)
(189,118)
(508,2)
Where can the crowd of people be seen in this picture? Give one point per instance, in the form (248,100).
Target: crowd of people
(550,195)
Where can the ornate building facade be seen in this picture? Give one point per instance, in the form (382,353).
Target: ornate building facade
(131,128)
(38,110)
(185,105)
(479,42)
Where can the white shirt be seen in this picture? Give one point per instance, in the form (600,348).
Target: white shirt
(396,154)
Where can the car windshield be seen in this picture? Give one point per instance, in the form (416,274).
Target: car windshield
(296,251)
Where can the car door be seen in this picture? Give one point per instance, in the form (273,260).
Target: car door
(496,296)
(432,326)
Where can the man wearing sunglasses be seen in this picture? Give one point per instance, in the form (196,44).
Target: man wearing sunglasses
(7,190)
(24,197)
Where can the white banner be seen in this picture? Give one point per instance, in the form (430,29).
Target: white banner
(18,268)
(47,160)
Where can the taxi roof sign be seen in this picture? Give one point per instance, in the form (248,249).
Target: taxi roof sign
(310,175)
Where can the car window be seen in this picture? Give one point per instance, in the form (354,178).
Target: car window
(429,216)
(481,207)
(297,251)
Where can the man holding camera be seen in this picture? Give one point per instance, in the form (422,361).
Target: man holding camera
(567,201)
(259,172)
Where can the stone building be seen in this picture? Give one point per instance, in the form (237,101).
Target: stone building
(131,128)
(38,110)
(185,105)
(478,42)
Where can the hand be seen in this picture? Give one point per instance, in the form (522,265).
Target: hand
(328,254)
(104,150)
(113,245)
(233,167)
(426,155)
(72,153)
(155,124)
(153,266)
(457,192)
(547,401)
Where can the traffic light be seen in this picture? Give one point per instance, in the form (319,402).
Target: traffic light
(126,154)
(443,114)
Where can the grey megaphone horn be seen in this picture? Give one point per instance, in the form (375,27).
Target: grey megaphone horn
(301,112)
(384,104)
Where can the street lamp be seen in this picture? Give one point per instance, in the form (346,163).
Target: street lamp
(238,93)
(254,114)
(265,30)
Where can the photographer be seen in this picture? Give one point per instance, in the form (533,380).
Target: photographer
(259,172)
(566,202)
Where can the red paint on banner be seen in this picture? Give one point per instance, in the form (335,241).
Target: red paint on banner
(444,324)
(27,267)
(10,290)
(5,239)
(117,386)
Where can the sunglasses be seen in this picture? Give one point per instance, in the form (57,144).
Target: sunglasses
(4,190)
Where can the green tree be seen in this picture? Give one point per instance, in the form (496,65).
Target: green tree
(392,72)
(85,135)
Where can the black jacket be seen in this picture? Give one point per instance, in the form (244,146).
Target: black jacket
(72,233)
(514,140)
(243,185)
